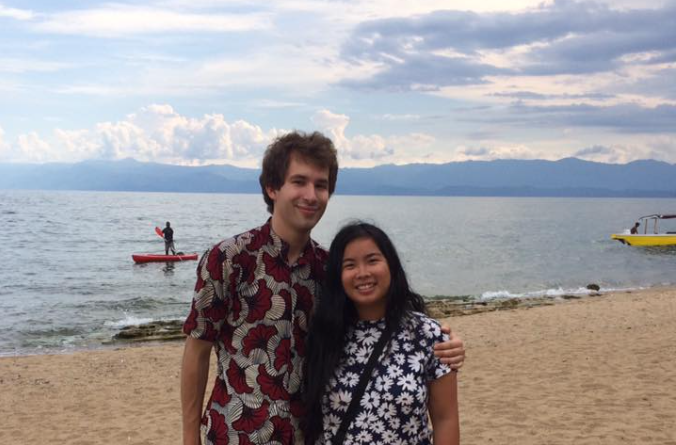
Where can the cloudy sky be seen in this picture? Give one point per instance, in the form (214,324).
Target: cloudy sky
(213,81)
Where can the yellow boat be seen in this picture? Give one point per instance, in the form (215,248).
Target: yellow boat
(648,239)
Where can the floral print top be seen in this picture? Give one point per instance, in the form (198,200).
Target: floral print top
(393,409)
(254,306)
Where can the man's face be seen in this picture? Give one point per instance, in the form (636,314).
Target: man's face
(302,199)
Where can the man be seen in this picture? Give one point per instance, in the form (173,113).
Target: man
(168,234)
(252,301)
(634,230)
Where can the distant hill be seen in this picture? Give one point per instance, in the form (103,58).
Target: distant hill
(566,177)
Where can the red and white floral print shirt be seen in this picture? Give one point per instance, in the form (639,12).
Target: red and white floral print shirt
(255,307)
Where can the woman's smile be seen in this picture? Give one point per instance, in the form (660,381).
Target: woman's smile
(366,278)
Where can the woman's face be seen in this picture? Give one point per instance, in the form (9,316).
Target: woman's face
(366,278)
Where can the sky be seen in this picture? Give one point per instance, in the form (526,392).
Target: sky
(194,82)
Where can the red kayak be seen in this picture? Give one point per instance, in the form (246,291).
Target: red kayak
(154,257)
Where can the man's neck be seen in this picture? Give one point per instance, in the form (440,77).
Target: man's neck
(295,239)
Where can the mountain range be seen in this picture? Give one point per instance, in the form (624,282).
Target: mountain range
(566,177)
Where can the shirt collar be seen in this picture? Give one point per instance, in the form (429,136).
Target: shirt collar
(307,255)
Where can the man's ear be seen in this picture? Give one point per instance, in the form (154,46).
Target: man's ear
(272,193)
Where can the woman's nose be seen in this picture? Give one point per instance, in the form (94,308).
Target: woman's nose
(362,270)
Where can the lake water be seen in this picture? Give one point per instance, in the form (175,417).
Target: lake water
(68,282)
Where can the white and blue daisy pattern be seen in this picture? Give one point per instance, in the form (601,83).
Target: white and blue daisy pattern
(393,409)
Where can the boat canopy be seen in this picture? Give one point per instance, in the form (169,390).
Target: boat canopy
(655,219)
(657,216)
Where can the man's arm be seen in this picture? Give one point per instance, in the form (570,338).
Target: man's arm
(194,376)
(451,352)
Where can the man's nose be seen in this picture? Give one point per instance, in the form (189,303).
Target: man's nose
(310,193)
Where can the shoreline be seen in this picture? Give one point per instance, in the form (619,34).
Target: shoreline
(161,332)
(594,370)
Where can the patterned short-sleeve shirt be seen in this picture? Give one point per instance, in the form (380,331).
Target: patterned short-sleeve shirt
(255,307)
(393,409)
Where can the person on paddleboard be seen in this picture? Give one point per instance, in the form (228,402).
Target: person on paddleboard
(168,234)
(252,303)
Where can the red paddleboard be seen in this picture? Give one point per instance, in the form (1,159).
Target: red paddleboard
(154,257)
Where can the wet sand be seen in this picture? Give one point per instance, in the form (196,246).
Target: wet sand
(600,370)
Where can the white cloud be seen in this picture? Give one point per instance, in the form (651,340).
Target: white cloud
(370,148)
(273,104)
(9,152)
(333,125)
(97,90)
(6,151)
(374,149)
(155,133)
(2,141)
(351,151)
(126,20)
(355,12)
(661,147)
(359,10)
(615,148)
(33,147)
(621,151)
(17,14)
(497,150)
(399,117)
(258,69)
(412,141)
(74,145)
(210,138)
(15,65)
(158,133)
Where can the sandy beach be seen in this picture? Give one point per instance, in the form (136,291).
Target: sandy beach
(600,370)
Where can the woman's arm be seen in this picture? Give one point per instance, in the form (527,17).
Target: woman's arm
(443,408)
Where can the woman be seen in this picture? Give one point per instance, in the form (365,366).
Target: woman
(366,295)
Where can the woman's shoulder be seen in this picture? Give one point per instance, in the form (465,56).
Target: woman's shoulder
(420,318)
(424,325)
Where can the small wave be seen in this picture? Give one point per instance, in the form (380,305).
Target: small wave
(659,250)
(493,295)
(549,293)
(131,320)
(132,303)
(59,332)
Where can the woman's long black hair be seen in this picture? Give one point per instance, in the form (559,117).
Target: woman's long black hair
(335,312)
